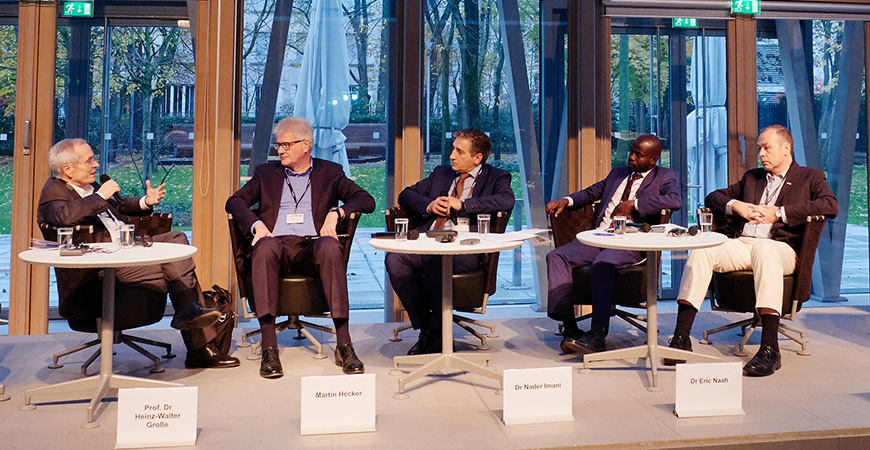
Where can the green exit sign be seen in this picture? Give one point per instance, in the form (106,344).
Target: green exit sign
(78,9)
(745,6)
(682,22)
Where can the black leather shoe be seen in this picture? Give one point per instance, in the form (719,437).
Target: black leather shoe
(587,343)
(424,343)
(678,342)
(764,363)
(209,357)
(270,364)
(569,336)
(347,359)
(192,318)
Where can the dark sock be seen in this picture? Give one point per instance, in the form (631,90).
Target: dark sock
(267,332)
(342,331)
(770,330)
(685,319)
(599,328)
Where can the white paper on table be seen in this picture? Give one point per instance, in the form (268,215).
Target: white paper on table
(531,234)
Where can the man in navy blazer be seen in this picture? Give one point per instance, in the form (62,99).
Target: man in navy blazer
(770,205)
(298,197)
(639,191)
(467,188)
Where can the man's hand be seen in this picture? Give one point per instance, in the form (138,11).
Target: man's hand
(623,209)
(329,223)
(557,206)
(108,189)
(440,206)
(764,214)
(260,231)
(153,195)
(742,209)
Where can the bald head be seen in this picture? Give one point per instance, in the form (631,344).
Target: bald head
(645,153)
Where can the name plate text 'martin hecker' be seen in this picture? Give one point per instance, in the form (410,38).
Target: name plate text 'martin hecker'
(338,404)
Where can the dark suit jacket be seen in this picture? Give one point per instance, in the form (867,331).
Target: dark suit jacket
(328,185)
(491,193)
(805,193)
(657,191)
(60,206)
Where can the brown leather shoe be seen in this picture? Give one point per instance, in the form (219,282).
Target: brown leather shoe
(347,359)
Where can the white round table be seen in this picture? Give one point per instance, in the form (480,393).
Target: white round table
(653,244)
(429,246)
(108,257)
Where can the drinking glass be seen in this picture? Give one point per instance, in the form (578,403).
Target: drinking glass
(483,223)
(619,225)
(127,232)
(402,229)
(64,237)
(705,219)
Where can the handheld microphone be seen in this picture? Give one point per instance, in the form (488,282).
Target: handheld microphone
(691,231)
(642,227)
(412,235)
(451,214)
(105,178)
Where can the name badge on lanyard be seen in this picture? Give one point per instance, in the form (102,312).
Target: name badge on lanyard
(295,218)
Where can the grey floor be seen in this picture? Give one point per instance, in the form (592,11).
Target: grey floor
(819,401)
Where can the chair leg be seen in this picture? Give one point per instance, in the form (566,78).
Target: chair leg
(633,319)
(741,346)
(165,346)
(741,323)
(255,348)
(474,332)
(130,343)
(491,335)
(57,356)
(89,361)
(396,332)
(785,331)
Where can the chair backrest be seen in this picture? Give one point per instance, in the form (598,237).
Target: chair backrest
(241,244)
(151,224)
(572,221)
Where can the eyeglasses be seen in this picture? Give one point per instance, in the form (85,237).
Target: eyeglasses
(285,145)
(90,162)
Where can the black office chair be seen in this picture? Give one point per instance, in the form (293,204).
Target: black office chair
(299,295)
(735,291)
(630,289)
(471,290)
(134,306)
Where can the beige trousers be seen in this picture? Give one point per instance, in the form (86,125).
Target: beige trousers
(768,259)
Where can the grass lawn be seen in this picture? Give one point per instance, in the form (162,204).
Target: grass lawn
(371,177)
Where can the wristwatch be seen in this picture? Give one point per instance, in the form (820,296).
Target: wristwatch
(778,213)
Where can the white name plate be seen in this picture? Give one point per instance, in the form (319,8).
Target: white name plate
(709,389)
(338,404)
(157,417)
(537,395)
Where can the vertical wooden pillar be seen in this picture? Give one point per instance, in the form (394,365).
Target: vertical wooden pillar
(589,91)
(742,97)
(34,136)
(216,146)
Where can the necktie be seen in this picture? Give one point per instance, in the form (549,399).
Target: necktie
(457,193)
(634,177)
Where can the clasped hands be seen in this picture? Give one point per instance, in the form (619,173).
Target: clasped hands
(755,214)
(556,207)
(441,206)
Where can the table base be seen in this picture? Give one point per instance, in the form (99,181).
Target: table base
(435,362)
(102,383)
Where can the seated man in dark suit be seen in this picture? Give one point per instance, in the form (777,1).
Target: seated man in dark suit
(639,191)
(72,197)
(771,205)
(298,197)
(467,188)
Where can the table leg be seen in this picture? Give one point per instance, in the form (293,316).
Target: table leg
(105,380)
(447,359)
(651,351)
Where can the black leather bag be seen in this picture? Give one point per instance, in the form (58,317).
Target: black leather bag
(221,300)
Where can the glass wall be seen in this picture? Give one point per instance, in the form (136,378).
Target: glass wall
(8,69)
(467,85)
(831,134)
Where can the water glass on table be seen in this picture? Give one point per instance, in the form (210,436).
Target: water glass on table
(619,225)
(127,232)
(705,222)
(483,224)
(401,229)
(64,237)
